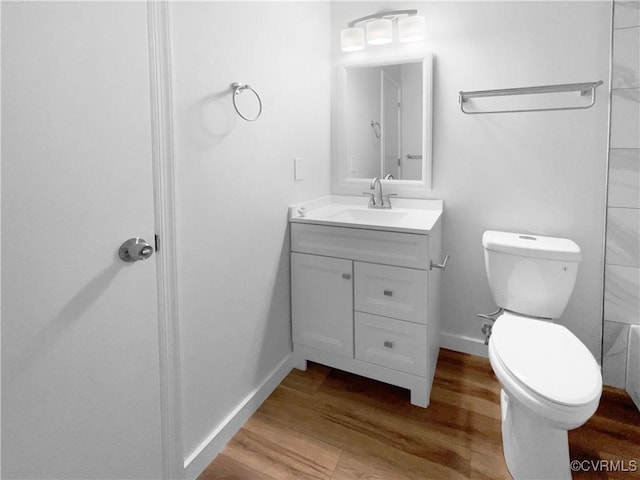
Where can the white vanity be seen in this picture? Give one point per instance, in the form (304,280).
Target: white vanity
(365,287)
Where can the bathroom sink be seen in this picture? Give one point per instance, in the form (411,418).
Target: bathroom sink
(406,215)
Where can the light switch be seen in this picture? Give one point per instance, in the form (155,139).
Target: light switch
(298,168)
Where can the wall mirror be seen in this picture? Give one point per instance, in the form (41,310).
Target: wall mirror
(383,128)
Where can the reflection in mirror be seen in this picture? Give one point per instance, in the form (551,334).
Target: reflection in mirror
(383,114)
(384,120)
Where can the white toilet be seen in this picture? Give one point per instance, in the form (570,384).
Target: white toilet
(550,381)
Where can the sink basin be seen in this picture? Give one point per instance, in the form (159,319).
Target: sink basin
(407,215)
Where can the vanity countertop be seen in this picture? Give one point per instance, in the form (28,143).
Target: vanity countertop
(417,216)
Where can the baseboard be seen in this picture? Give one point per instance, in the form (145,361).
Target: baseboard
(633,365)
(460,343)
(202,456)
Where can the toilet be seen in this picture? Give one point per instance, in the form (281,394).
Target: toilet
(550,381)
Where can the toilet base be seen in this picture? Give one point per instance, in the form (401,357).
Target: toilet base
(533,449)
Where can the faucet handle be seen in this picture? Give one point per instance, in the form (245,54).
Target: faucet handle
(387,204)
(372,197)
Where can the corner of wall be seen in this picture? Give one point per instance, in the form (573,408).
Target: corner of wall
(202,456)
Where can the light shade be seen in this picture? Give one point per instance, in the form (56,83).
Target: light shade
(379,31)
(412,29)
(352,39)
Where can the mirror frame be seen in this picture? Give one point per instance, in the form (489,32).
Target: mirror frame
(342,184)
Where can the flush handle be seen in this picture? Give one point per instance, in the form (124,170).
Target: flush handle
(388,293)
(346,276)
(135,249)
(442,265)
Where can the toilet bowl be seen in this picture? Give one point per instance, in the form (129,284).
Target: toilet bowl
(550,381)
(546,392)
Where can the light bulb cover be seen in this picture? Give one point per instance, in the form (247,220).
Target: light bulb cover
(412,28)
(352,39)
(379,31)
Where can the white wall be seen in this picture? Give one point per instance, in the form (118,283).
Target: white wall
(0,258)
(234,181)
(535,172)
(363,92)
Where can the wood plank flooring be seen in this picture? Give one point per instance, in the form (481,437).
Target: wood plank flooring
(331,425)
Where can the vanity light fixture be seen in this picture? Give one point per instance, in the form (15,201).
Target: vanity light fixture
(412,29)
(352,39)
(379,29)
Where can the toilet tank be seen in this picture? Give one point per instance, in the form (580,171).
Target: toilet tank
(531,274)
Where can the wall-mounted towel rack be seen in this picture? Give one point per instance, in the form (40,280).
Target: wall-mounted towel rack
(238,88)
(586,88)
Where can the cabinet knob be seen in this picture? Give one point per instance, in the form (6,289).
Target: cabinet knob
(388,293)
(346,276)
(388,344)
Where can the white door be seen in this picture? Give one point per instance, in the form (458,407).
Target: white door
(80,368)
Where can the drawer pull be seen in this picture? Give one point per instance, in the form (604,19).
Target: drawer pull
(388,344)
(346,276)
(388,293)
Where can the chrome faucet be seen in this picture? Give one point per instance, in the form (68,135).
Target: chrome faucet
(377,199)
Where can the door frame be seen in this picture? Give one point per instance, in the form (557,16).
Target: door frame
(166,258)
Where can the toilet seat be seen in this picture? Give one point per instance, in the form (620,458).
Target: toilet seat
(547,360)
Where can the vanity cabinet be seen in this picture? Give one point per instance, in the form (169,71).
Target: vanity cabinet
(366,301)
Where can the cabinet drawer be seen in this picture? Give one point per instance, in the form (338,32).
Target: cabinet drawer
(391,248)
(391,343)
(391,291)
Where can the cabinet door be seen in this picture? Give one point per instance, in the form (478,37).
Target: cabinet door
(322,303)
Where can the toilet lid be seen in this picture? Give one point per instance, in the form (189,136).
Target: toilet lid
(547,358)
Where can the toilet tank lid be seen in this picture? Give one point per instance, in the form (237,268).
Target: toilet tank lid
(535,246)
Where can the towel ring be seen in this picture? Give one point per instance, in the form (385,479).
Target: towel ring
(238,87)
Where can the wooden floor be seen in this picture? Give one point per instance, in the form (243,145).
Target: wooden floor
(328,424)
